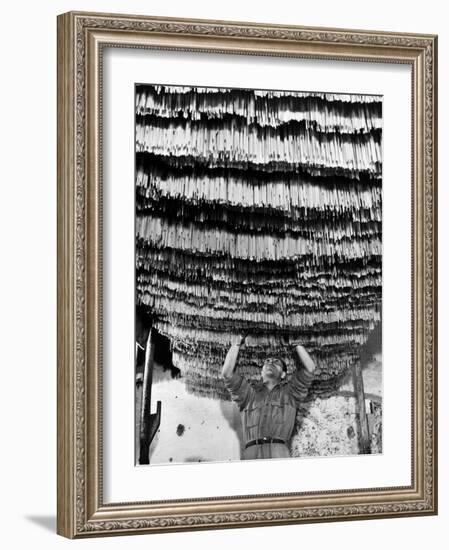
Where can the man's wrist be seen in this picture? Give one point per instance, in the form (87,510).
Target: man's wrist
(289,343)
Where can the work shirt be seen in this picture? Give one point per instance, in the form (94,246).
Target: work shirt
(266,413)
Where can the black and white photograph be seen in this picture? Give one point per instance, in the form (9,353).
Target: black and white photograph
(258,274)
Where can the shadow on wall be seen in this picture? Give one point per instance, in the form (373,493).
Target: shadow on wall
(162,354)
(373,346)
(192,428)
(232,416)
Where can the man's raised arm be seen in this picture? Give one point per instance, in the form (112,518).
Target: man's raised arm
(304,358)
(302,379)
(241,392)
(231,358)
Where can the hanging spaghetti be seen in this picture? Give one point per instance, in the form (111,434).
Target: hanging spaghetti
(258,211)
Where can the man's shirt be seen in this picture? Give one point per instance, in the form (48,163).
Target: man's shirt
(268,413)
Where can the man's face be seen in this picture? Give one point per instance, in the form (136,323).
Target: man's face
(272,370)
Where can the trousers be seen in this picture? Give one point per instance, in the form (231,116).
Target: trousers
(267,450)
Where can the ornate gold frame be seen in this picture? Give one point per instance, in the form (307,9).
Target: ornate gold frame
(81,37)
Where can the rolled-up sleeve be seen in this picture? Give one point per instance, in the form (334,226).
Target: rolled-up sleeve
(239,389)
(300,383)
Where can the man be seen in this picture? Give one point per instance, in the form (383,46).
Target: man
(268,408)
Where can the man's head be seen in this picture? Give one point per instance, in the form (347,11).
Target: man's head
(274,370)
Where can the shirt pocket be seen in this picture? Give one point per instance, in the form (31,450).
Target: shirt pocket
(253,415)
(277,413)
(282,412)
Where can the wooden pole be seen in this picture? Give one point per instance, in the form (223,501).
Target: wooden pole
(149,423)
(365,447)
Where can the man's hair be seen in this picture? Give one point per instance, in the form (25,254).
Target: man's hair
(282,363)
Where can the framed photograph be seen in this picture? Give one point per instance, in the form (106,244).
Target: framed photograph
(247,278)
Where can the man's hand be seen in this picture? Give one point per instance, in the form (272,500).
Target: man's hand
(239,340)
(300,352)
(285,339)
(288,341)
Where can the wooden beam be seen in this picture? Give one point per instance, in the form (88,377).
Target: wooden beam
(365,446)
(149,423)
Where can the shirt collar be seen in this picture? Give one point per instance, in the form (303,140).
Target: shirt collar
(260,385)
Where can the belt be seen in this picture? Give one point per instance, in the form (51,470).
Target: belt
(264,440)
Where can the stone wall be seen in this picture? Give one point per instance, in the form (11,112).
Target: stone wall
(327,427)
(330,427)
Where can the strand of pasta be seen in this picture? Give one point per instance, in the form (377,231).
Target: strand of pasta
(291,245)
(332,228)
(164,234)
(326,110)
(291,192)
(280,94)
(202,338)
(246,145)
(194,265)
(176,309)
(237,293)
(220,269)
